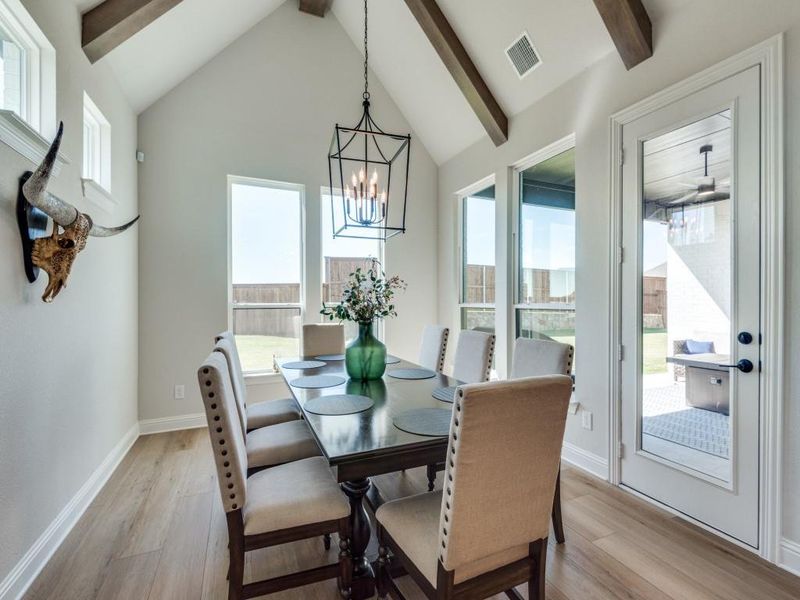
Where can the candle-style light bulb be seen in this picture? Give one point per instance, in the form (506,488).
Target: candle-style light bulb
(361,175)
(355,181)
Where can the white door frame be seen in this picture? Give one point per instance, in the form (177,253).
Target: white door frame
(769,57)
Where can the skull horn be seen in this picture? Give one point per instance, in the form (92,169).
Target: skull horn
(100,231)
(35,189)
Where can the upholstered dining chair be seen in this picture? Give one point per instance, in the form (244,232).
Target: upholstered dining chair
(276,506)
(434,347)
(320,339)
(273,444)
(543,357)
(259,414)
(472,364)
(474,355)
(486,532)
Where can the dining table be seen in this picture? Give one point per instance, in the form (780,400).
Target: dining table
(361,445)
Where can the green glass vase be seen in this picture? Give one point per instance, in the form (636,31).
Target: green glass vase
(365,357)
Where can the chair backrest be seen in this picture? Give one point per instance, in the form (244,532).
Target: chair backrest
(322,338)
(228,349)
(502,462)
(227,439)
(533,358)
(474,354)
(434,347)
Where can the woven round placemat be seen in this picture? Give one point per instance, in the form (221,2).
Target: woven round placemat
(431,422)
(411,373)
(339,404)
(445,394)
(317,381)
(330,357)
(304,364)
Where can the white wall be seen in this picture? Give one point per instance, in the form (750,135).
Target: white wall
(265,107)
(67,370)
(583,106)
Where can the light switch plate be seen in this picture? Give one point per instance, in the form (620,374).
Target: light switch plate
(586,420)
(573,408)
(180,392)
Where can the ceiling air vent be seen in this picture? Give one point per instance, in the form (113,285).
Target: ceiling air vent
(523,55)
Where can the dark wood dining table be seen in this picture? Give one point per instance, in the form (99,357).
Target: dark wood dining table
(362,445)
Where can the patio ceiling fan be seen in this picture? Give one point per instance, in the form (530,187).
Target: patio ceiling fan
(705,188)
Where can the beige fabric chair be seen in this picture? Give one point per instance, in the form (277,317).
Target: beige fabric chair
(434,347)
(288,503)
(322,338)
(540,357)
(533,358)
(474,354)
(273,444)
(487,530)
(473,364)
(260,414)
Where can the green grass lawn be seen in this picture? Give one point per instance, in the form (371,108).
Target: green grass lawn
(654,348)
(256,351)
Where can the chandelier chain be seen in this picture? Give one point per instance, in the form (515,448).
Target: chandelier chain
(366,54)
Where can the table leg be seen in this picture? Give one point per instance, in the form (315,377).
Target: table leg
(363,585)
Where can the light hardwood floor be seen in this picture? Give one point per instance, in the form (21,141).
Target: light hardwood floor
(157,532)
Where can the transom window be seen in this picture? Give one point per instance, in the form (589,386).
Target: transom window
(266,250)
(27,70)
(96,145)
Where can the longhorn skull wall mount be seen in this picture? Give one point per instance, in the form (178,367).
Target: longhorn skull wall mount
(56,253)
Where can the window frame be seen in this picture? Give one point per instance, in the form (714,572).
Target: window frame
(301,305)
(99,148)
(552,150)
(38,105)
(461,197)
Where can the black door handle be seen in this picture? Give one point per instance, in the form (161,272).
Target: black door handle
(744,365)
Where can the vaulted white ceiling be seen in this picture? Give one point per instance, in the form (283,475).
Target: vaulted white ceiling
(568,34)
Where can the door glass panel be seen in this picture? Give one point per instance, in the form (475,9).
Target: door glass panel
(687,267)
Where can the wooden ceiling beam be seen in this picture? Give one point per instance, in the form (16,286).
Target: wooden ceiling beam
(112,22)
(318,8)
(464,72)
(630,28)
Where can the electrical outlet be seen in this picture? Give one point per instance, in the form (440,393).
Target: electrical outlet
(180,392)
(586,420)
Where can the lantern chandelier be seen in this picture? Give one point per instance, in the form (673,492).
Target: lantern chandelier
(368,173)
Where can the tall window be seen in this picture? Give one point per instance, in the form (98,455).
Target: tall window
(96,145)
(478,261)
(340,257)
(27,69)
(546,277)
(266,269)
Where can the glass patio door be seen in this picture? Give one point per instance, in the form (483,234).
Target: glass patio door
(690,313)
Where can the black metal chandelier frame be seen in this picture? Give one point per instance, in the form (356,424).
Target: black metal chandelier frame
(357,138)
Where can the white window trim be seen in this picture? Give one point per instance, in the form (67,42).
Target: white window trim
(30,134)
(266,374)
(99,172)
(461,195)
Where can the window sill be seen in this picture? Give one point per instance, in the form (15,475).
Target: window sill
(97,194)
(24,139)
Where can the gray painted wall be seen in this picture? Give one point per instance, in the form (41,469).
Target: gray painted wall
(583,105)
(265,107)
(67,370)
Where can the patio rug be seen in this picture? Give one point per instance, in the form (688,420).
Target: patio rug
(666,416)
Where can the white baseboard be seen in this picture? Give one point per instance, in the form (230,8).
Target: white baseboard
(591,463)
(789,558)
(165,424)
(23,574)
